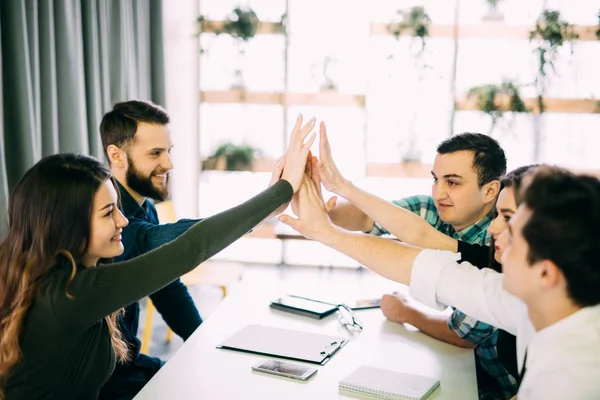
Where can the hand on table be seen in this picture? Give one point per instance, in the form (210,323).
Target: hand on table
(396,307)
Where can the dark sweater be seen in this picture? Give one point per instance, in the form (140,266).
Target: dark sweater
(65,341)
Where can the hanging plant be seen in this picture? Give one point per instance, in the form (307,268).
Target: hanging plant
(495,100)
(551,32)
(493,14)
(241,24)
(598,30)
(415,21)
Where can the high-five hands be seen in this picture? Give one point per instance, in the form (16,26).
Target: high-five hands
(295,158)
(313,221)
(327,170)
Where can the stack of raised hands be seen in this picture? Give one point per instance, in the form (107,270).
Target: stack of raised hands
(307,203)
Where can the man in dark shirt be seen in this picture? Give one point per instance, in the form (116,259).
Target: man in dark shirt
(137,142)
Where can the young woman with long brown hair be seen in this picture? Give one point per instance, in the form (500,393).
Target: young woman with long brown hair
(59,301)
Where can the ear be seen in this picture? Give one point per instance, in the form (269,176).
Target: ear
(116,156)
(550,275)
(491,191)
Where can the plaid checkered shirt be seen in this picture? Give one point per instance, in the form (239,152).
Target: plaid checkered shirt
(483,335)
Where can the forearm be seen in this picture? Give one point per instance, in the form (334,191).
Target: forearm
(350,217)
(386,257)
(99,291)
(437,327)
(405,225)
(154,236)
(177,308)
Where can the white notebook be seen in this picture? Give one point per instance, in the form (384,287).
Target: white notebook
(387,384)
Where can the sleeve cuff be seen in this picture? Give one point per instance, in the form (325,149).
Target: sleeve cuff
(426,272)
(377,230)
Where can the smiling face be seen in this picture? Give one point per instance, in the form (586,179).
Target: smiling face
(107,223)
(458,198)
(149,161)
(506,206)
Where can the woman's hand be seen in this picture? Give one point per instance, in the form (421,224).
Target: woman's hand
(295,158)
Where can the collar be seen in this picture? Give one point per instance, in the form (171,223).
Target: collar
(567,336)
(129,206)
(477,229)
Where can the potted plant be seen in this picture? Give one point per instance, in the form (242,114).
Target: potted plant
(495,100)
(493,14)
(231,157)
(550,33)
(415,22)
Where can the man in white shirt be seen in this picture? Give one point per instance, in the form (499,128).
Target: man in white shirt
(548,294)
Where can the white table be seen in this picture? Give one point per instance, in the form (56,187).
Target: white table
(201,371)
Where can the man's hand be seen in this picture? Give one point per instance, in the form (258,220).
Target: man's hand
(316,178)
(296,156)
(396,307)
(313,221)
(327,170)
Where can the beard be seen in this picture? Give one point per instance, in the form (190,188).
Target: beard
(143,185)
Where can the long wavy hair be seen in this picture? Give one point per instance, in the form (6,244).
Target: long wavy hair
(49,224)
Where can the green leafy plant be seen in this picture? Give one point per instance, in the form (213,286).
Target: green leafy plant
(552,33)
(240,24)
(415,21)
(231,157)
(598,30)
(495,100)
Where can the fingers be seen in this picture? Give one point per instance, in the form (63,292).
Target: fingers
(316,178)
(277,170)
(330,205)
(324,148)
(308,169)
(289,221)
(279,165)
(298,123)
(309,142)
(312,191)
(299,135)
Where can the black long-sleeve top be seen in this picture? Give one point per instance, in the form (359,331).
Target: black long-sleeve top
(480,256)
(67,351)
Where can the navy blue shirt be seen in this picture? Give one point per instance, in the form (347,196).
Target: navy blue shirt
(173,302)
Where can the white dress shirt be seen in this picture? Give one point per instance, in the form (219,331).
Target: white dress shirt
(563,359)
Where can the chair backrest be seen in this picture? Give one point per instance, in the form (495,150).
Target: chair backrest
(166,212)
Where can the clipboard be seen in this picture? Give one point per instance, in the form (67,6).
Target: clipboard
(285,343)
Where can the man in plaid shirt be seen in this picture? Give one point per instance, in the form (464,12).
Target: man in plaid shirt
(466,174)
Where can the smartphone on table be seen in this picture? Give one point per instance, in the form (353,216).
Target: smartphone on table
(285,369)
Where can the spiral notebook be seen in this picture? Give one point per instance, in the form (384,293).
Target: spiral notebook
(386,384)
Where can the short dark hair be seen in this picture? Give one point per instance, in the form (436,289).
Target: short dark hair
(563,228)
(119,125)
(489,160)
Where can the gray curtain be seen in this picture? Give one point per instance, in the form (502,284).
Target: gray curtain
(63,63)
